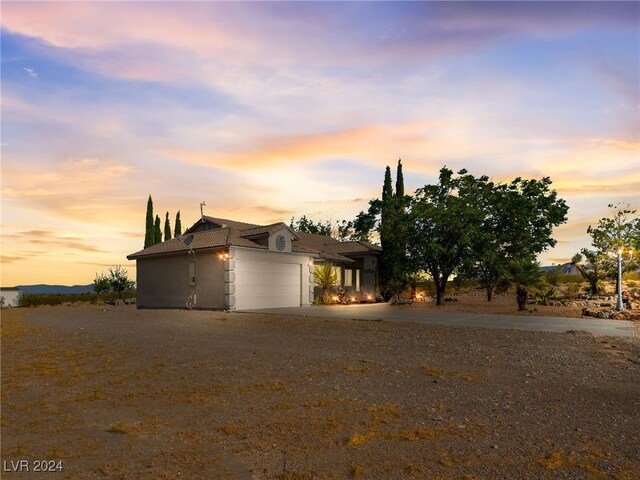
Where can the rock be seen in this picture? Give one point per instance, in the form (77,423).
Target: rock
(119,303)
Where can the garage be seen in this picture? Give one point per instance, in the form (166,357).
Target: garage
(267,284)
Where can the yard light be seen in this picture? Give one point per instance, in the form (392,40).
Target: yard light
(617,253)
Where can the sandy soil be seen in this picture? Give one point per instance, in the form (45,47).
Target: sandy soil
(119,393)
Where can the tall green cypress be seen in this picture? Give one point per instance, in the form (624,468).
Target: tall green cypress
(178,227)
(149,236)
(157,233)
(399,181)
(386,231)
(387,188)
(167,228)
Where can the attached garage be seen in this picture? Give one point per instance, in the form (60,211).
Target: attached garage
(264,279)
(268,284)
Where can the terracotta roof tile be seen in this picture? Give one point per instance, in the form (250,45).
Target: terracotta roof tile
(237,234)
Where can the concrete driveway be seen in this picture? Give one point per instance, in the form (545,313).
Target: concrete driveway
(389,313)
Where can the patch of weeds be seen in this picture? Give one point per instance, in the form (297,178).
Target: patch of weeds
(120,428)
(357,471)
(441,373)
(355,369)
(449,430)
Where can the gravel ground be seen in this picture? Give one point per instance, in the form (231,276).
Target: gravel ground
(114,392)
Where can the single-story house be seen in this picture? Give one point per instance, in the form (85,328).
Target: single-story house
(224,264)
(10,297)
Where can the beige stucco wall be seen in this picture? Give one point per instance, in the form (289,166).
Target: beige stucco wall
(163,282)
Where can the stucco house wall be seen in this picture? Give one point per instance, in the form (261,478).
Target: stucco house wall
(165,281)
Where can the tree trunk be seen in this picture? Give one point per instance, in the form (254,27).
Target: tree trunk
(489,294)
(441,286)
(522,295)
(594,287)
(414,292)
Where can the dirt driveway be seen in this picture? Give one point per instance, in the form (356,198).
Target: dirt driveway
(444,316)
(118,393)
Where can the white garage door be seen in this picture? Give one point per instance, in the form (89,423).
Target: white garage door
(267,285)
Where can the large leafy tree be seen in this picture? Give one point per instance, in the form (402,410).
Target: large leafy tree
(618,233)
(517,222)
(178,227)
(442,227)
(167,228)
(149,235)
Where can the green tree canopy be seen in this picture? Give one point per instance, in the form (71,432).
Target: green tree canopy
(620,231)
(442,228)
(101,284)
(309,226)
(517,221)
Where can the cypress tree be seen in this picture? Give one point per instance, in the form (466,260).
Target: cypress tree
(386,232)
(399,181)
(157,233)
(167,228)
(178,228)
(387,188)
(149,236)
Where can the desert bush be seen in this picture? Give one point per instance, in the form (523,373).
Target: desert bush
(37,299)
(631,276)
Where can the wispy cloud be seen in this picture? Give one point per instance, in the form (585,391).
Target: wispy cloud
(32,73)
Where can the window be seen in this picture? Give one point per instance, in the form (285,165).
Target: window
(348,277)
(192,273)
(357,280)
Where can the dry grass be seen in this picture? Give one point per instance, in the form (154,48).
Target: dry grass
(214,397)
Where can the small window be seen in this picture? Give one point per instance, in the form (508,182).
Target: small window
(348,277)
(192,273)
(357,280)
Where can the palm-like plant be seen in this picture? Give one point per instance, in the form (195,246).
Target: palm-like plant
(325,276)
(524,274)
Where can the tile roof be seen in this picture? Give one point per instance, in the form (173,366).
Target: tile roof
(261,230)
(238,234)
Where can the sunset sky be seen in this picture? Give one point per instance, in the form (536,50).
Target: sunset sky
(271,110)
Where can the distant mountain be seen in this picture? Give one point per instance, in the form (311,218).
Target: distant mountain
(567,268)
(52,289)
